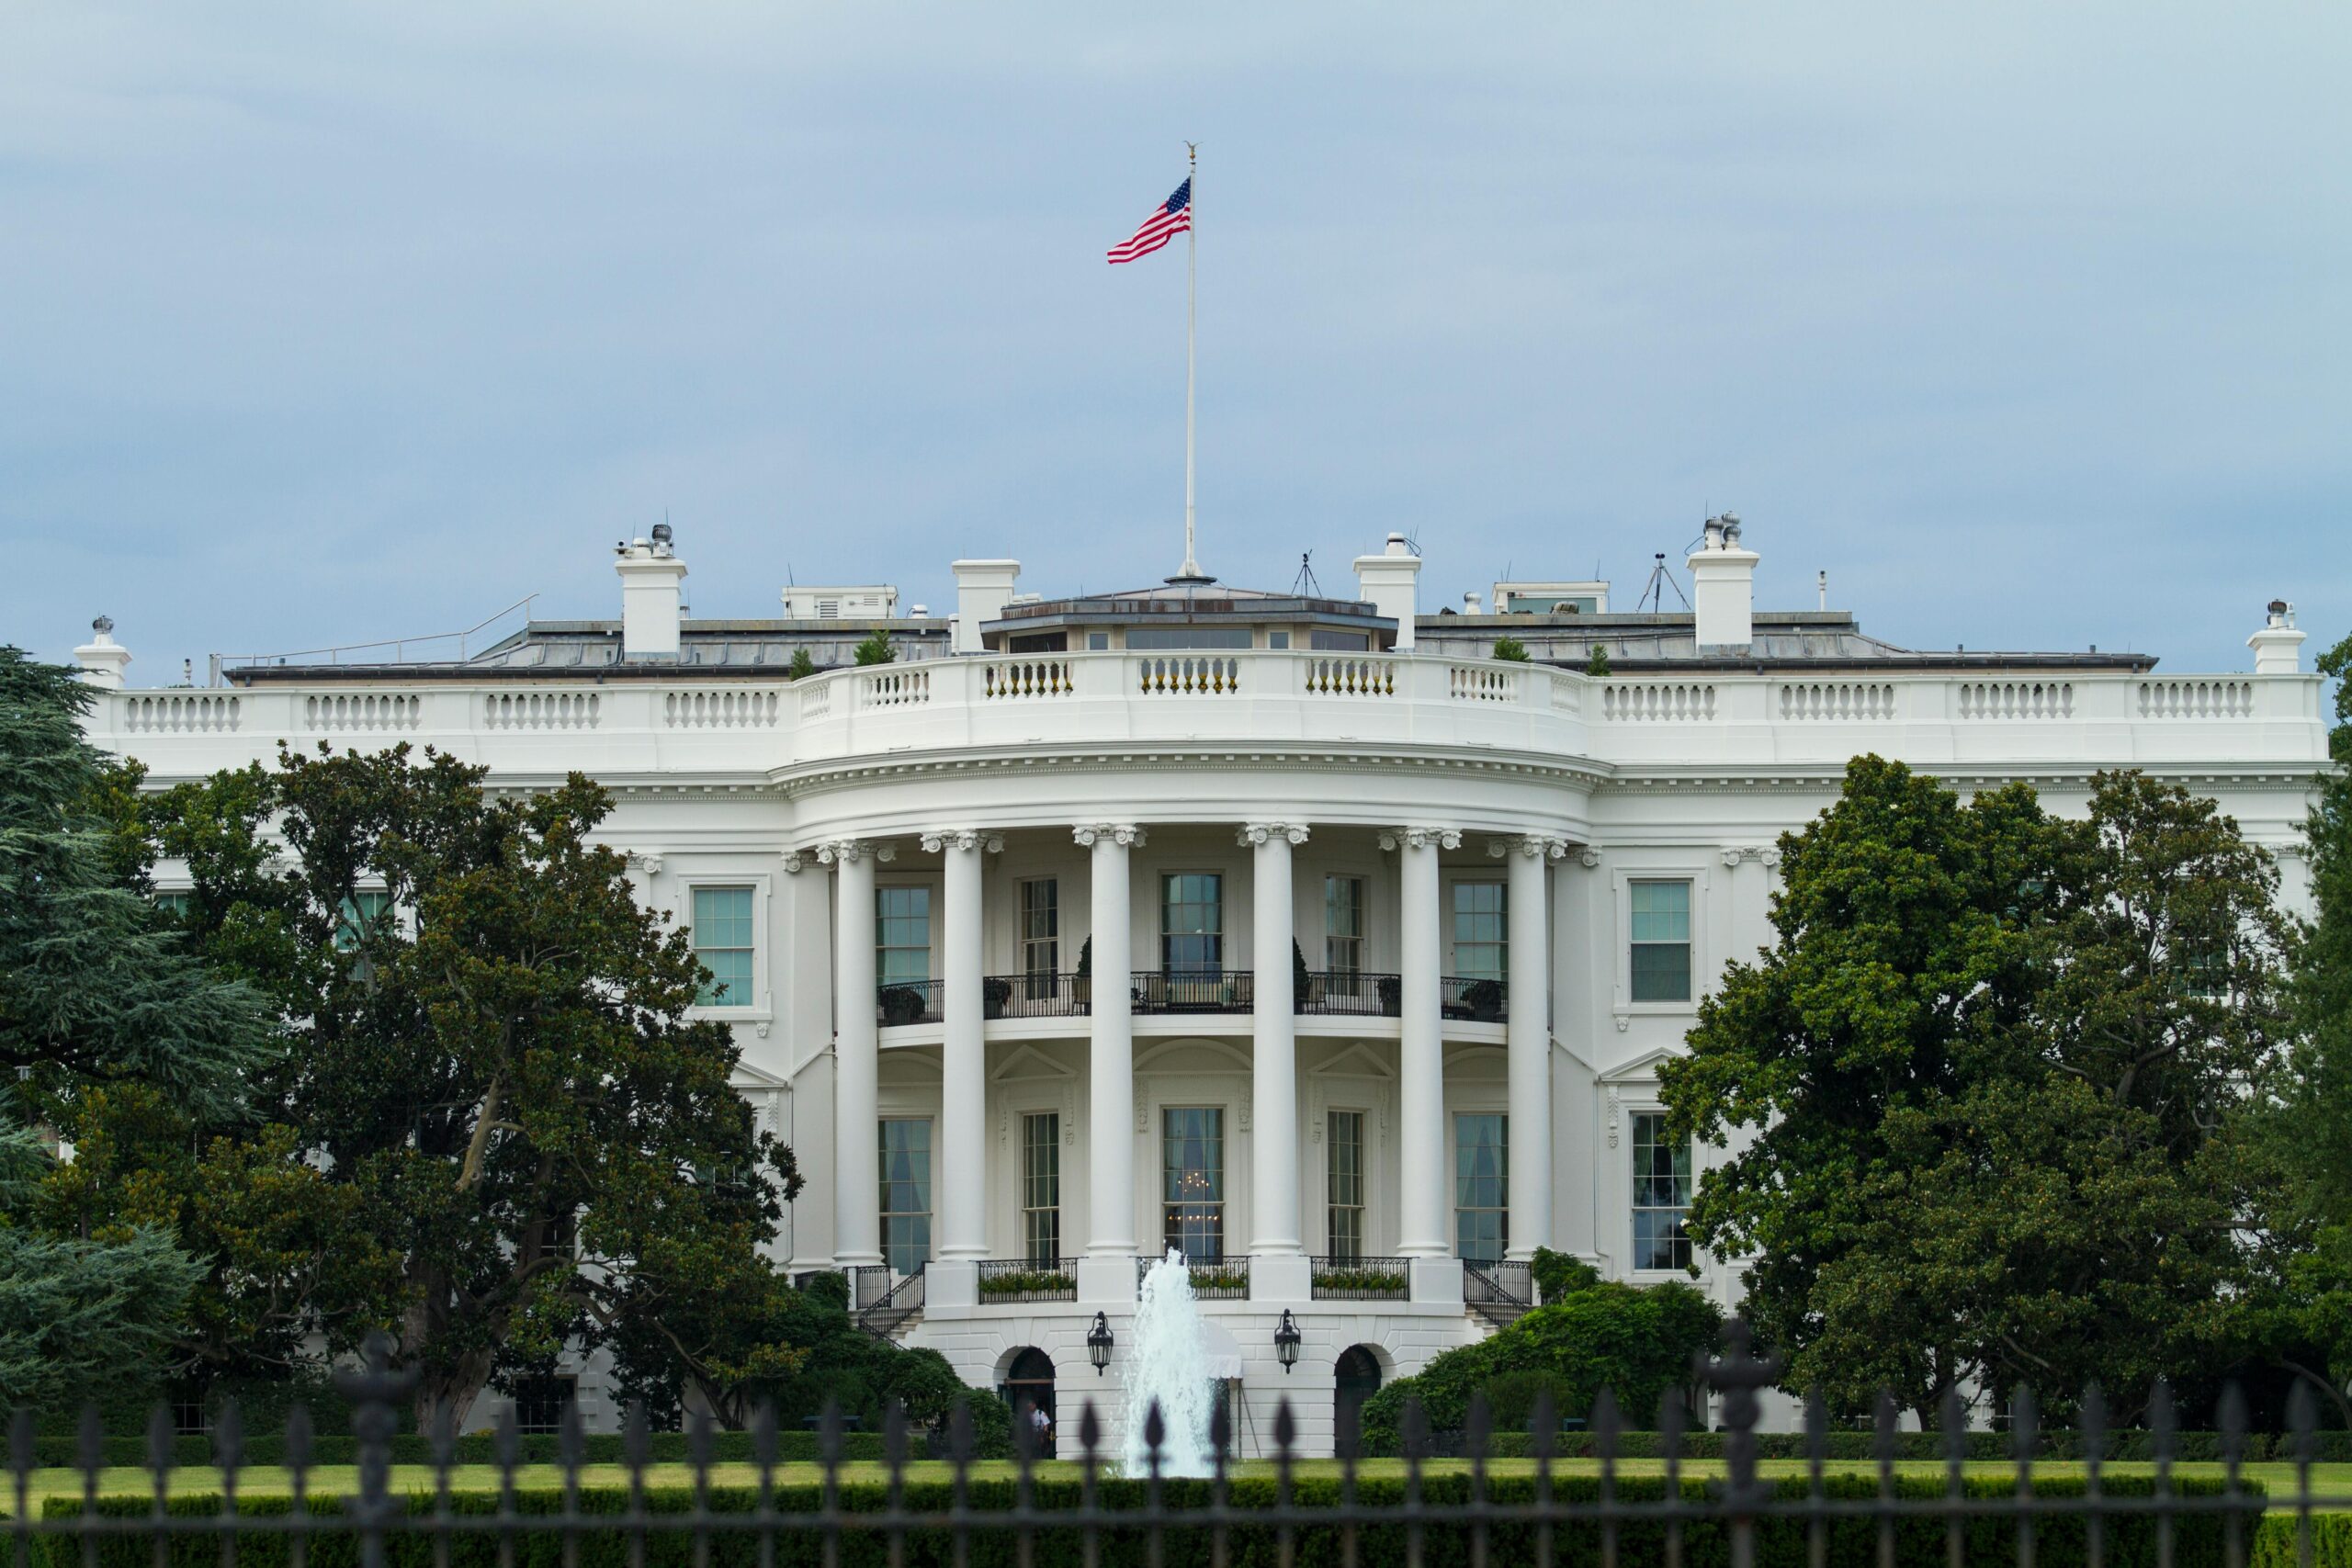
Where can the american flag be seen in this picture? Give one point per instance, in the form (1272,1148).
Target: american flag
(1169,219)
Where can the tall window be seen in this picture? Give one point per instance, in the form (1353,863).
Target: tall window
(1481,1188)
(1661,939)
(177,903)
(1192,1166)
(1343,924)
(539,1401)
(356,919)
(902,935)
(1481,931)
(1343,1136)
(1041,935)
(1041,1190)
(1661,1195)
(906,1194)
(1192,922)
(722,935)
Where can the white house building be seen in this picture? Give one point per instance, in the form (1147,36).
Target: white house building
(1295,933)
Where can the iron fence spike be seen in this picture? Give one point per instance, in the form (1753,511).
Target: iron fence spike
(1285,1427)
(2303,1421)
(228,1440)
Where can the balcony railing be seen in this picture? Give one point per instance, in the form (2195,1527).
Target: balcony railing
(1037,996)
(1498,1283)
(1004,1280)
(1225,1279)
(1356,1279)
(1194,990)
(907,1002)
(1352,992)
(1478,1001)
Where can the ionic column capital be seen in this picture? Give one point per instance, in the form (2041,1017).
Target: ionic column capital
(1420,838)
(843,851)
(1588,857)
(963,838)
(1534,846)
(793,859)
(1126,835)
(646,861)
(1252,833)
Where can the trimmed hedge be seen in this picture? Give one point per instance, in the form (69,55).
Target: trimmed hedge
(1852,1543)
(2133,1444)
(602,1448)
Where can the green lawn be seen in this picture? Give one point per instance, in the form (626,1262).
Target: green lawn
(2331,1481)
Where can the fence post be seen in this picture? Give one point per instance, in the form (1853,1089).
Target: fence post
(372,1388)
(1737,1375)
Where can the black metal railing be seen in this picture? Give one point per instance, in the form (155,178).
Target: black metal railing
(1352,1278)
(1502,1283)
(1004,1280)
(1473,1002)
(881,1298)
(1220,1279)
(849,1496)
(1194,990)
(1037,996)
(1350,993)
(897,1002)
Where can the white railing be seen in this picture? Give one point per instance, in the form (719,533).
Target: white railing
(540,710)
(180,714)
(1481,684)
(1836,701)
(2017,699)
(726,708)
(368,712)
(815,698)
(1658,702)
(1027,678)
(1351,677)
(893,689)
(2196,699)
(1192,674)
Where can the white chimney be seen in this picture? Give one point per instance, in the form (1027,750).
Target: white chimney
(2278,646)
(651,574)
(1386,580)
(1722,587)
(102,658)
(983,587)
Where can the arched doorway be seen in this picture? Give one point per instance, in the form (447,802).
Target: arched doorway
(1029,1387)
(1358,1378)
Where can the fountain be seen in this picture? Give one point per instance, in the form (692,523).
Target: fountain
(1169,1365)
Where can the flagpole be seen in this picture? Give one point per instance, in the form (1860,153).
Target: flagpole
(1192,236)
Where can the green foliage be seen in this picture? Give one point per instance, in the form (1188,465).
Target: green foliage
(1301,986)
(499,1068)
(1557,1274)
(1027,1282)
(1637,1342)
(77,1315)
(1850,1537)
(1988,1060)
(1597,665)
(1512,651)
(801,667)
(876,649)
(1368,1281)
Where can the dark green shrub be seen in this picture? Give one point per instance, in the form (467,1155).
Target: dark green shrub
(1557,1274)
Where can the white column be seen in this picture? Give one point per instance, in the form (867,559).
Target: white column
(962,1175)
(1530,1037)
(1274,1019)
(1107,1273)
(1420,1087)
(857,1158)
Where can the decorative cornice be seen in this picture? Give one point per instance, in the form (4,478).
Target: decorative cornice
(1420,838)
(841,851)
(814,778)
(963,838)
(1254,833)
(1126,835)
(1534,846)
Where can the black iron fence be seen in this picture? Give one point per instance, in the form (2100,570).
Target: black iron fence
(1473,1002)
(1349,1278)
(897,1002)
(739,1498)
(1040,994)
(1005,1279)
(1352,993)
(1194,990)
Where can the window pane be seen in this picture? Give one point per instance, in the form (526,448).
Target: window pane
(902,935)
(722,939)
(1659,969)
(1041,1183)
(1661,911)
(1481,950)
(1661,1195)
(1661,972)
(1193,1182)
(906,1194)
(1343,1137)
(1343,924)
(1192,922)
(1481,1187)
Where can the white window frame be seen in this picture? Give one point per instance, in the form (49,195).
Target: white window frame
(1485,1105)
(1363,879)
(1620,888)
(935,918)
(1629,1110)
(1446,912)
(1367,1173)
(761,1009)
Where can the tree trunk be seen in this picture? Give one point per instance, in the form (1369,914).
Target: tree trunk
(454,1390)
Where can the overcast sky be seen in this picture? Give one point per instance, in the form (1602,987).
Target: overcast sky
(323,322)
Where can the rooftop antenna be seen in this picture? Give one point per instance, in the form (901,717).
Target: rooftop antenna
(1413,541)
(1655,589)
(1823,579)
(1303,585)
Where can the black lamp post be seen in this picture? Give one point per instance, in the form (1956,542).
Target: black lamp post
(1286,1341)
(1098,1343)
